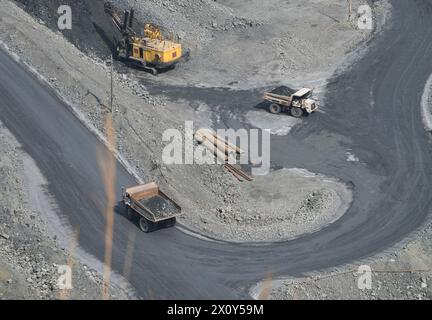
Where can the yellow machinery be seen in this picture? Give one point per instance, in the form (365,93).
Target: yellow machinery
(151,51)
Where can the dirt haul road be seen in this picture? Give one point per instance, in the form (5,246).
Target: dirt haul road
(375,106)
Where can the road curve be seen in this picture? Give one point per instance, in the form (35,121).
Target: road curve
(373,110)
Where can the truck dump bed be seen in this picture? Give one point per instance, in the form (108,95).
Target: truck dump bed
(152,203)
(279,99)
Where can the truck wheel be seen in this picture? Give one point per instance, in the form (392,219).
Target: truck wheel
(275,108)
(171,223)
(146,226)
(296,112)
(130,214)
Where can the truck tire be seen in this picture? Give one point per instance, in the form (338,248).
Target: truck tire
(275,108)
(130,214)
(296,112)
(171,223)
(146,226)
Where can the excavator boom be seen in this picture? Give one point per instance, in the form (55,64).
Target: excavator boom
(125,26)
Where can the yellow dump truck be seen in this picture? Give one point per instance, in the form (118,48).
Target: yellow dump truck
(297,103)
(151,207)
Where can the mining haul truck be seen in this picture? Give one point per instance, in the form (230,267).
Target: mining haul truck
(151,207)
(297,104)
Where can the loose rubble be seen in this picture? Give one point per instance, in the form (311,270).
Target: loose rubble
(140,122)
(279,206)
(29,257)
(401,274)
(244,44)
(220,34)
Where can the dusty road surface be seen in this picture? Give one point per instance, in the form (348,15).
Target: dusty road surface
(30,254)
(372,112)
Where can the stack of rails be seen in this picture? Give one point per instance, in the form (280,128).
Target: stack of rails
(222,149)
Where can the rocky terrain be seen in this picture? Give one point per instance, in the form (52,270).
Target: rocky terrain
(399,274)
(270,213)
(29,257)
(249,44)
(244,44)
(219,34)
(222,206)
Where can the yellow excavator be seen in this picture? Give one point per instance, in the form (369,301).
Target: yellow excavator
(151,51)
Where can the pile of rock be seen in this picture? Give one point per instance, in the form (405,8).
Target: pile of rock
(192,21)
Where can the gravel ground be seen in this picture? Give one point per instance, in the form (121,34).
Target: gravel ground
(244,44)
(218,34)
(279,206)
(29,258)
(214,203)
(399,275)
(248,44)
(402,274)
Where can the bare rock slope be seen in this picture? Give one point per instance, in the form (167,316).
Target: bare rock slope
(401,274)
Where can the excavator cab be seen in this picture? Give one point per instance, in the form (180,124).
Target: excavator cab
(153,32)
